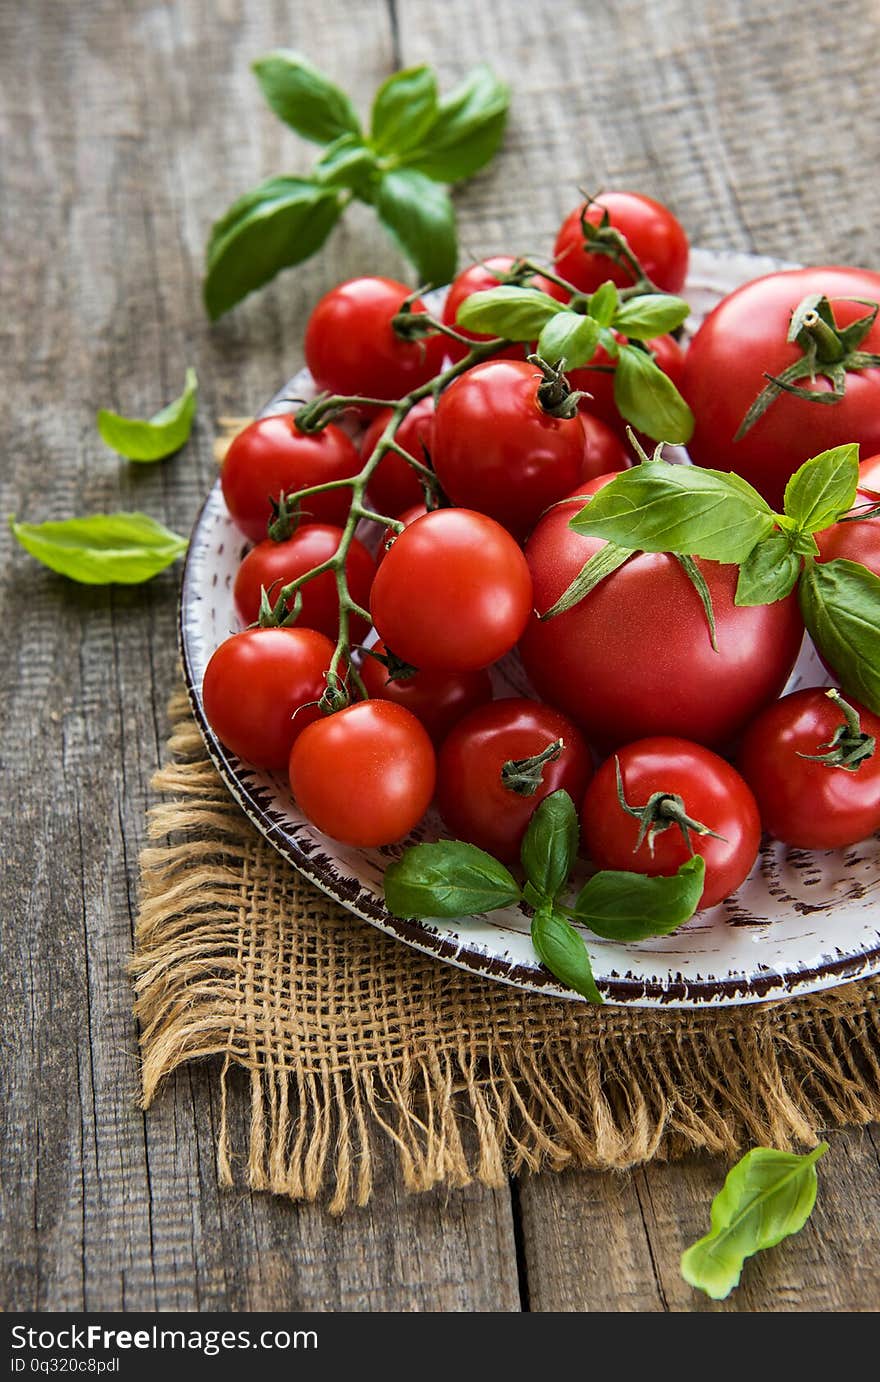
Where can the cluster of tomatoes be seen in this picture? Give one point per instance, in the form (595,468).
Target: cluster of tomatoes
(631,677)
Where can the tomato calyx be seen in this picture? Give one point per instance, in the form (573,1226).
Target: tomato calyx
(525,775)
(828,350)
(286,517)
(397,669)
(556,397)
(849,746)
(660,811)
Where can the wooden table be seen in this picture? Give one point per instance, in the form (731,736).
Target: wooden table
(126,128)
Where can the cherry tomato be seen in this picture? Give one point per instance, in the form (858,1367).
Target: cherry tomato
(498,450)
(474,801)
(364,775)
(454,592)
(259,687)
(740,343)
(654,235)
(389,536)
(634,657)
(711,792)
(860,541)
(394,485)
(352,348)
(599,383)
(807,804)
(604,453)
(272,456)
(480,278)
(274,564)
(437,699)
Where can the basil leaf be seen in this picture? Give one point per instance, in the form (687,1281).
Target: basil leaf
(653,314)
(569,340)
(767,1196)
(631,906)
(420,217)
(519,314)
(347,162)
(304,98)
(648,399)
(466,131)
(404,108)
(768,573)
(840,602)
(601,564)
(561,948)
(165,432)
(550,844)
(275,225)
(823,488)
(659,507)
(605,302)
(448,879)
(103,549)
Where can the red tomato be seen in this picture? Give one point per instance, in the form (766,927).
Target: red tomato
(394,485)
(653,234)
(742,341)
(604,453)
(454,592)
(258,690)
(271,456)
(634,657)
(667,353)
(390,536)
(437,699)
(496,448)
(712,793)
(352,348)
(474,801)
(480,278)
(869,474)
(274,564)
(857,541)
(807,804)
(364,775)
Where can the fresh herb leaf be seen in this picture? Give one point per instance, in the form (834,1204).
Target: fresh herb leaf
(347,162)
(550,844)
(625,906)
(304,98)
(601,564)
(823,488)
(648,399)
(164,434)
(419,215)
(467,130)
(769,572)
(448,879)
(604,303)
(404,109)
(561,948)
(649,315)
(519,314)
(840,602)
(767,1196)
(569,340)
(103,549)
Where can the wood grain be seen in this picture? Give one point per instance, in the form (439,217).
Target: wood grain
(125,128)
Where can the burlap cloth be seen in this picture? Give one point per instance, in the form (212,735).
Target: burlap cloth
(354,1043)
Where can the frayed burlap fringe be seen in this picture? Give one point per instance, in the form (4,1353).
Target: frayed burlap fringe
(351,1040)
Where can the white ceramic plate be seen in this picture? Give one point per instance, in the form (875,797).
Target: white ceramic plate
(801,922)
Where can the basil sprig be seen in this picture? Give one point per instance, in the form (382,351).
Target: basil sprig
(453,879)
(103,549)
(164,434)
(417,141)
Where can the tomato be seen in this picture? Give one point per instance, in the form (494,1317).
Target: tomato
(364,775)
(655,236)
(394,485)
(390,536)
(498,450)
(437,699)
(807,804)
(742,341)
(352,348)
(711,792)
(604,453)
(857,541)
(599,384)
(634,657)
(453,593)
(869,475)
(259,687)
(274,564)
(474,801)
(480,278)
(272,456)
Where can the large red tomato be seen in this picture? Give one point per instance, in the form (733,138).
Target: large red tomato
(394,485)
(274,564)
(741,342)
(352,348)
(480,278)
(654,235)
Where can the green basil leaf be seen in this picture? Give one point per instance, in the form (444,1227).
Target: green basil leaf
(767,1196)
(823,488)
(569,340)
(304,98)
(165,432)
(420,217)
(605,302)
(550,844)
(347,162)
(404,108)
(103,549)
(277,224)
(648,399)
(448,879)
(659,507)
(602,563)
(466,131)
(519,314)
(768,573)
(561,948)
(653,314)
(625,906)
(840,602)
